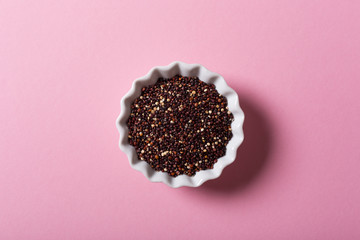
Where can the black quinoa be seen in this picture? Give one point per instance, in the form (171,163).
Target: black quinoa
(180,125)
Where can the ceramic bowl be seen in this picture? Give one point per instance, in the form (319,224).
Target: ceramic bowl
(206,76)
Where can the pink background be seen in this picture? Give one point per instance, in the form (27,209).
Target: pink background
(64,66)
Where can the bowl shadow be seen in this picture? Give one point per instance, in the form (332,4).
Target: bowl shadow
(252,155)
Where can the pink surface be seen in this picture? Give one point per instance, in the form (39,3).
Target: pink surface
(64,65)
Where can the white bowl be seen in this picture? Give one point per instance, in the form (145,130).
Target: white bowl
(167,72)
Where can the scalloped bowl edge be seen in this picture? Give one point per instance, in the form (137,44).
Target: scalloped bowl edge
(206,76)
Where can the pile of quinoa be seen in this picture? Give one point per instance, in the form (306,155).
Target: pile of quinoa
(180,125)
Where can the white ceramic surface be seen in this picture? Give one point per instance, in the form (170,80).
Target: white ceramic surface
(206,76)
